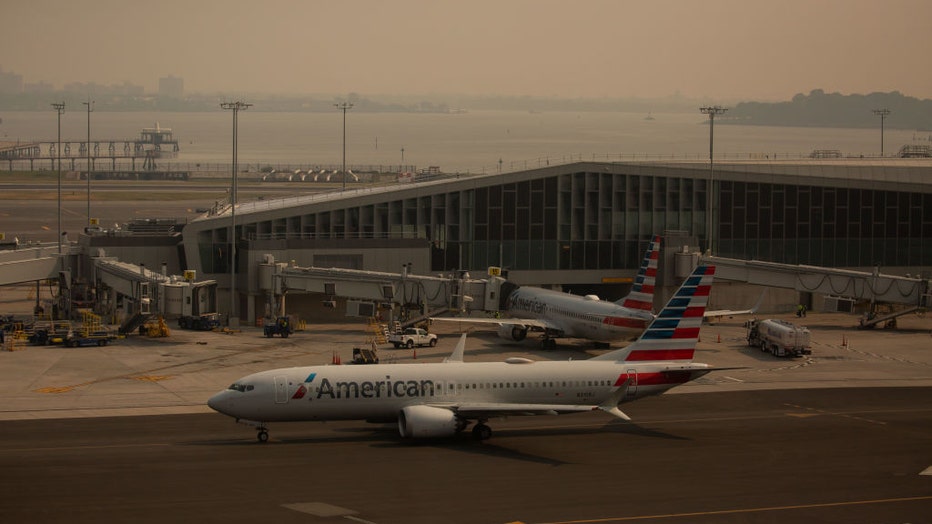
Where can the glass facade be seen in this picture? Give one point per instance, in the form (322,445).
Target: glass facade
(585,219)
(824,226)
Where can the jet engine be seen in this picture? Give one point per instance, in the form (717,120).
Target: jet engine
(427,422)
(512,332)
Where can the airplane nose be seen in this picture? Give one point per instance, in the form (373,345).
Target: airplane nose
(220,403)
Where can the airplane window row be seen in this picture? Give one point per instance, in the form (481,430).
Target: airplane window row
(241,387)
(573,314)
(508,385)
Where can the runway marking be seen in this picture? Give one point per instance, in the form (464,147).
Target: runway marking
(54,389)
(746,510)
(153,378)
(823,412)
(73,448)
(322,509)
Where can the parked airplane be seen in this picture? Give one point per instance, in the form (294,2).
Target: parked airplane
(441,399)
(558,314)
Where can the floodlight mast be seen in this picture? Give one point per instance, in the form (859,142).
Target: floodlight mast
(236,107)
(90,109)
(344,106)
(711,111)
(882,113)
(60,109)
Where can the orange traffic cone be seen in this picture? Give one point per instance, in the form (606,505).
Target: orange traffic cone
(720,339)
(414,355)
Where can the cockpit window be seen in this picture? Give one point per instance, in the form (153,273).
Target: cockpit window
(241,387)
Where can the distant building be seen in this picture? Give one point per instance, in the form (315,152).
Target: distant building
(11,83)
(94,89)
(38,87)
(171,87)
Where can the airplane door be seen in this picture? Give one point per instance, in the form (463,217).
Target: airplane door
(633,385)
(281,389)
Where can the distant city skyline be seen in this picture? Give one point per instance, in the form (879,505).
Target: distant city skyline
(716,49)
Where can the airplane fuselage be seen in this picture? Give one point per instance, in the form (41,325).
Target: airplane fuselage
(578,317)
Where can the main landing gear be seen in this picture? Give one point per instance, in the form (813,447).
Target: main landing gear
(481,432)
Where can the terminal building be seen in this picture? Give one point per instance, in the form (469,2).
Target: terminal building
(582,227)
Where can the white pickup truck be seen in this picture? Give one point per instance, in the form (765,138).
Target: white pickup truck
(411,337)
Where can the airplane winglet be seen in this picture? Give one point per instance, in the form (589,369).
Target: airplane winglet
(610,405)
(759,301)
(457,355)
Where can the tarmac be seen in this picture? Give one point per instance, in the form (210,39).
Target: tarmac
(139,375)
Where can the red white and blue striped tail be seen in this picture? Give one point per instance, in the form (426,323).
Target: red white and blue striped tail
(642,293)
(674,333)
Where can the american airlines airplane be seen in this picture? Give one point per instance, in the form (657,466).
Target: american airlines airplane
(442,399)
(558,314)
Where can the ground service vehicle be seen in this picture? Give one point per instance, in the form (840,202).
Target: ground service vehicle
(281,326)
(411,337)
(779,337)
(205,322)
(365,356)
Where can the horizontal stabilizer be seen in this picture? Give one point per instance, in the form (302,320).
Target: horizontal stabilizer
(610,405)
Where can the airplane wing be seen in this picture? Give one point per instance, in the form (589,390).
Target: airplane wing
(484,410)
(532,324)
(492,410)
(719,313)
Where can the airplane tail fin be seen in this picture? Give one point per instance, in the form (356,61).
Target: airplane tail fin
(674,333)
(642,293)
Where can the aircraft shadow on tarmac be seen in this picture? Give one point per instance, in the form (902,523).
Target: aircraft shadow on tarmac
(387,437)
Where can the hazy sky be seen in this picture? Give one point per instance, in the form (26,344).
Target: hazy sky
(717,49)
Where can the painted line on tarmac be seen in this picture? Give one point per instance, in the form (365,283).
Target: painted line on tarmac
(746,510)
(823,412)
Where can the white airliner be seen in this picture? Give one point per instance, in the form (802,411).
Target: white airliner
(441,399)
(558,314)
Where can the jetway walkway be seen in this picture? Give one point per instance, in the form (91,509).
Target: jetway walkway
(153,293)
(30,263)
(137,285)
(873,287)
(428,295)
(142,292)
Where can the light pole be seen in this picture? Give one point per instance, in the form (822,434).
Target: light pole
(90,108)
(236,107)
(344,106)
(60,109)
(883,116)
(711,111)
(402,160)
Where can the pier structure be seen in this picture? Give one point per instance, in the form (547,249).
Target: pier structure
(151,144)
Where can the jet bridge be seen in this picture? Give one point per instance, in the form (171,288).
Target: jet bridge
(428,295)
(30,263)
(873,287)
(147,293)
